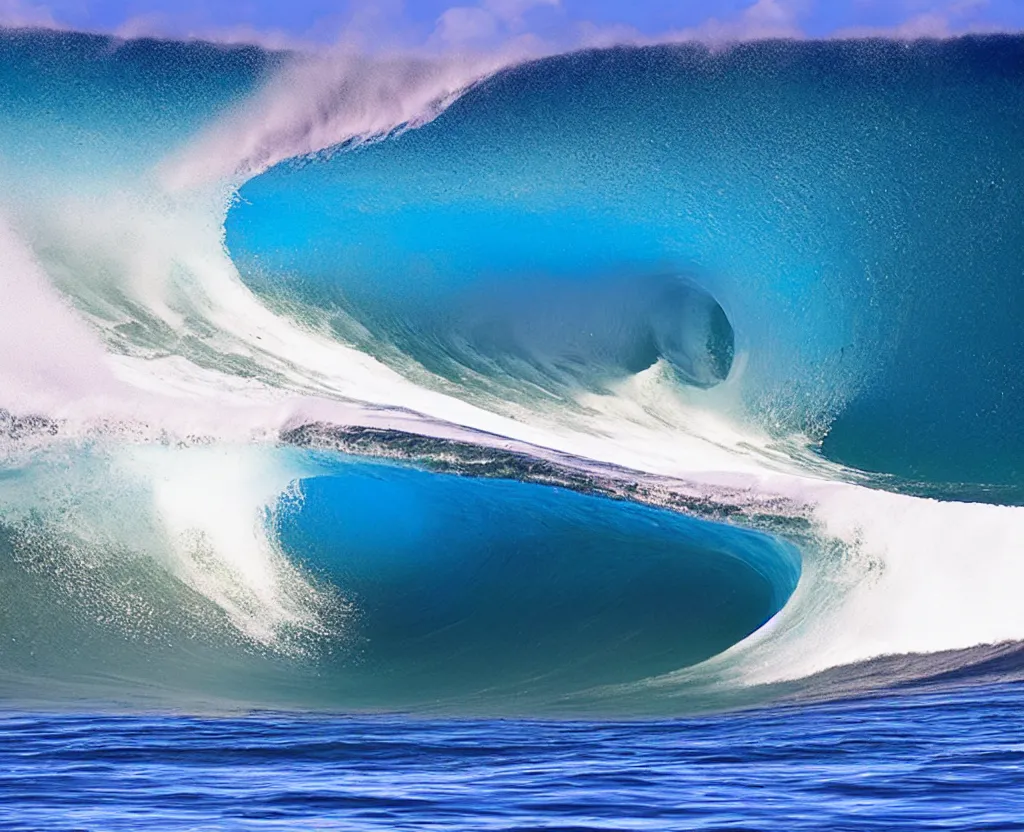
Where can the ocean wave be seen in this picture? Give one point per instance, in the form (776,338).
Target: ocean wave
(631,380)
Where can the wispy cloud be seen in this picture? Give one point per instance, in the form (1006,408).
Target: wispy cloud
(16,13)
(486,21)
(762,20)
(466,24)
(940,20)
(163,25)
(544,26)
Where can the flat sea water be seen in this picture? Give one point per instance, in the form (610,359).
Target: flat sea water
(937,760)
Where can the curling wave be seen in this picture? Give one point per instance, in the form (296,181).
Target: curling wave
(634,380)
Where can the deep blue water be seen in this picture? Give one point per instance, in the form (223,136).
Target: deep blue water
(417,591)
(935,761)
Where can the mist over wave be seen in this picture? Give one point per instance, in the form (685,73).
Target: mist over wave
(693,372)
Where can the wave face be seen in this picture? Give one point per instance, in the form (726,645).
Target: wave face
(835,199)
(632,381)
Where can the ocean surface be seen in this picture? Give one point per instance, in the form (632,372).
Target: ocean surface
(628,438)
(921,761)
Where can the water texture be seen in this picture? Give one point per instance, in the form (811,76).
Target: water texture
(918,762)
(626,382)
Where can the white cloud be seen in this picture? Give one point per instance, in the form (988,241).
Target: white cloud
(763,20)
(16,13)
(946,20)
(164,26)
(466,24)
(382,26)
(513,11)
(490,21)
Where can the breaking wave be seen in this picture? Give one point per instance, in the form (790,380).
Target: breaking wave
(632,380)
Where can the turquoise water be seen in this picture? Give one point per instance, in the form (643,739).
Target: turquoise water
(853,207)
(481,591)
(420,591)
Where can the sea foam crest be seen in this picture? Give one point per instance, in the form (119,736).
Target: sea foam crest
(318,101)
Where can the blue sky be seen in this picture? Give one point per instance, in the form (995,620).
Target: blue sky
(480,20)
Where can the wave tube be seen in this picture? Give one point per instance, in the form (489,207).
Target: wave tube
(851,206)
(365,586)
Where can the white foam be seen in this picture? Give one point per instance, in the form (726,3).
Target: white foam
(919,576)
(199,515)
(322,100)
(46,353)
(212,503)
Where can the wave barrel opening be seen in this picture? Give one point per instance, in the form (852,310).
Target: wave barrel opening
(473,589)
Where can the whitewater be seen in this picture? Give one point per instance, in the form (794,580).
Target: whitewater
(635,380)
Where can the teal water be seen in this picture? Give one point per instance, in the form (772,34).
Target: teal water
(853,207)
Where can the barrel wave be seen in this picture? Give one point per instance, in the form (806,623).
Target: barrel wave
(484,588)
(385,587)
(835,199)
(632,380)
